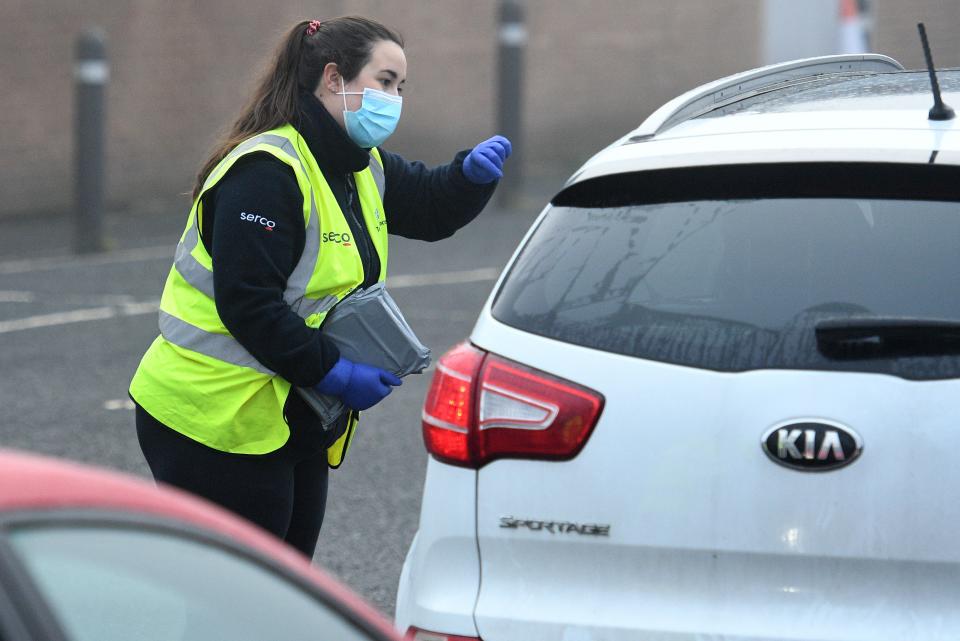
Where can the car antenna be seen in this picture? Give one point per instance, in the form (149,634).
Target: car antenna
(939,111)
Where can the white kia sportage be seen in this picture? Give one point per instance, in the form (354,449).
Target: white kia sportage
(715,392)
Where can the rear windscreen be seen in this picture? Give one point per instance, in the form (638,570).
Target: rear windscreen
(735,285)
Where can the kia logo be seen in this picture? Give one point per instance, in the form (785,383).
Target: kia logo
(812,445)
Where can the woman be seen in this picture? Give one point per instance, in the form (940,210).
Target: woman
(289,216)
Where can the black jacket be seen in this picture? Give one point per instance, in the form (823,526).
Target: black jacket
(252,261)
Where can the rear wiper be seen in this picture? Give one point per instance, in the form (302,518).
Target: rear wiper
(863,338)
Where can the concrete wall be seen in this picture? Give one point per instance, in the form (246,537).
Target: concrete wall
(182,68)
(895,31)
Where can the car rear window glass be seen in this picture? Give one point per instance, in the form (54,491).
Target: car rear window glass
(735,285)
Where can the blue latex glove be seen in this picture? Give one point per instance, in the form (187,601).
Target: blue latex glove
(484,163)
(358,385)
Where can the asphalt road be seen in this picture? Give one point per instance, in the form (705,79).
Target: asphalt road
(72,330)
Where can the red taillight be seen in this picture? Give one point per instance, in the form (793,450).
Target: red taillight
(416,634)
(482,407)
(448,409)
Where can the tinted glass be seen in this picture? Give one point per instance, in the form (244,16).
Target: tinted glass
(737,285)
(126,585)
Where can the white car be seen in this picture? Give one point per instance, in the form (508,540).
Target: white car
(715,393)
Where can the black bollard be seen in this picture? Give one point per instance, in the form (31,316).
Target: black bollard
(91,74)
(512,38)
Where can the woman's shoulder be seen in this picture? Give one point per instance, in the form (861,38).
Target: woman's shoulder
(260,176)
(257,162)
(260,170)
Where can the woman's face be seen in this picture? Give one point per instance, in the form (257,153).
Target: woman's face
(386,70)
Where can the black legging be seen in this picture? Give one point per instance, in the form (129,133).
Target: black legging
(284,492)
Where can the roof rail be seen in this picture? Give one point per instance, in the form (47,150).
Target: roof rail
(742,85)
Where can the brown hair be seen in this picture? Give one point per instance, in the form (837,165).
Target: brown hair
(296,66)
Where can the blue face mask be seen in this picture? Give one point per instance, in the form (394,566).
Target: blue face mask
(376,118)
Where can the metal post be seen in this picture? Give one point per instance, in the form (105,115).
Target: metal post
(91,75)
(512,37)
(866,16)
(794,30)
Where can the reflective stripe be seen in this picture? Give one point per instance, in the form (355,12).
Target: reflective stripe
(378,176)
(317,306)
(300,276)
(189,267)
(220,346)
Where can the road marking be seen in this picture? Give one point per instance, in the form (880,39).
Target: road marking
(443,278)
(11,296)
(118,404)
(78,316)
(56,262)
(7,296)
(432,314)
(154,253)
(99,299)
(150,307)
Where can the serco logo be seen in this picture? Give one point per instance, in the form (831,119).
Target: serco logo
(812,445)
(257,218)
(336,237)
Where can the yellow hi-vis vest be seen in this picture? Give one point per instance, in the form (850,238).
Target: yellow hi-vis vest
(196,378)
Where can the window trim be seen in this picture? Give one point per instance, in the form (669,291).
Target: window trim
(24,613)
(876,180)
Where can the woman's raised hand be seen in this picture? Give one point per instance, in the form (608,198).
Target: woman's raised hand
(484,163)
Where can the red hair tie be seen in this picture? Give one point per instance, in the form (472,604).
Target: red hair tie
(312,28)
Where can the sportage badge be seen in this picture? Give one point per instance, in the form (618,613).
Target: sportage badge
(812,445)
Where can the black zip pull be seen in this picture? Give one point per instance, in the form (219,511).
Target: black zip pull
(358,225)
(351,188)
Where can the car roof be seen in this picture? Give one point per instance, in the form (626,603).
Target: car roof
(828,109)
(31,484)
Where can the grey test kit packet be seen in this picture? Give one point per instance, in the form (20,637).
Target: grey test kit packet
(367,327)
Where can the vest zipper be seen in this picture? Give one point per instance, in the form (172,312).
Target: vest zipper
(361,235)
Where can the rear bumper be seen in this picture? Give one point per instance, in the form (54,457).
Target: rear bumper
(541,592)
(440,579)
